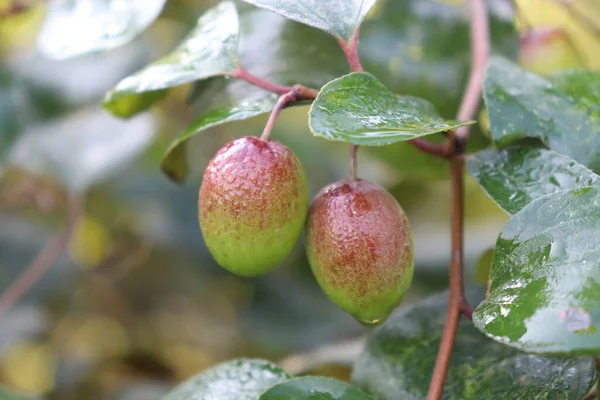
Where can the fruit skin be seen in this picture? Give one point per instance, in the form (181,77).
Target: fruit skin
(252,205)
(360,248)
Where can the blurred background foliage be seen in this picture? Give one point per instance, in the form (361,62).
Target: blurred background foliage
(137,303)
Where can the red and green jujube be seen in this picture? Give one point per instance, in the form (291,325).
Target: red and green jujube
(360,248)
(252,205)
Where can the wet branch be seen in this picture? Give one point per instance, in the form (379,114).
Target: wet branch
(480,48)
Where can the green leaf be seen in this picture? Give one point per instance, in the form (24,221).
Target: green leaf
(563,111)
(515,176)
(314,388)
(358,109)
(544,291)
(341,18)
(241,379)
(399,357)
(83,148)
(76,27)
(209,50)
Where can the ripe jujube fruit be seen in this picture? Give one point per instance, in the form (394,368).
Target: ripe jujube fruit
(252,205)
(360,248)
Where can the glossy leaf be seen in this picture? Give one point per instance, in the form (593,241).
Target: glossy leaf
(314,388)
(241,379)
(338,17)
(76,27)
(400,355)
(515,176)
(209,50)
(84,148)
(563,111)
(358,109)
(544,291)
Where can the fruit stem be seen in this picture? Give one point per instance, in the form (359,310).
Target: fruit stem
(43,261)
(353,165)
(457,140)
(296,93)
(350,50)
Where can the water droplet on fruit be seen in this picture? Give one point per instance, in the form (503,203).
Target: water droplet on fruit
(371,323)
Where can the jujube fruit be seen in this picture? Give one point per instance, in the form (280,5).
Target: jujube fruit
(360,248)
(252,205)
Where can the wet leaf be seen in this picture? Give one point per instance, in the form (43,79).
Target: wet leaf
(544,291)
(314,388)
(359,109)
(84,148)
(515,176)
(76,27)
(209,50)
(240,379)
(563,111)
(338,17)
(400,355)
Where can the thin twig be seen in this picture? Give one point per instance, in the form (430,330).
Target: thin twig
(241,73)
(46,258)
(480,52)
(442,363)
(353,165)
(435,149)
(480,48)
(296,93)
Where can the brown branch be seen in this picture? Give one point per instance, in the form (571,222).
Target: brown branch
(435,149)
(480,52)
(350,50)
(480,48)
(455,300)
(46,258)
(241,73)
(296,93)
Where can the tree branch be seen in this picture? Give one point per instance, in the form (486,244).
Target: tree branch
(46,258)
(480,48)
(296,93)
(350,50)
(439,150)
(480,52)
(241,73)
